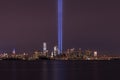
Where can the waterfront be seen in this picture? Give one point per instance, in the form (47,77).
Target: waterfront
(59,70)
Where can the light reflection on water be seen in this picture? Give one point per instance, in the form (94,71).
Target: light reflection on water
(59,70)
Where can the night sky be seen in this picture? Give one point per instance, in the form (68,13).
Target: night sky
(87,24)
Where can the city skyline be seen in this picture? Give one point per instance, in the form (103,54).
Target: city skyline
(25,24)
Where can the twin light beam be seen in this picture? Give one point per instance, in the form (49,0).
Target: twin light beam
(60,26)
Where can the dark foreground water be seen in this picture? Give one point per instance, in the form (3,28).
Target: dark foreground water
(59,70)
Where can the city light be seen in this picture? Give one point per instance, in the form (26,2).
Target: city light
(13,51)
(95,53)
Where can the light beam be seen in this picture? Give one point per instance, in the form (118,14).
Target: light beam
(59,26)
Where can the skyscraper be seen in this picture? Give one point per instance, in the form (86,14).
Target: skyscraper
(55,50)
(13,51)
(44,47)
(95,53)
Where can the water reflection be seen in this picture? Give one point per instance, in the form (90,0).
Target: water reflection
(52,70)
(58,70)
(14,74)
(95,70)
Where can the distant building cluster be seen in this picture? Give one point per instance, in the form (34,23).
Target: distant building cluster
(69,54)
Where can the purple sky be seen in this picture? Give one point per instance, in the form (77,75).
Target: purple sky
(26,24)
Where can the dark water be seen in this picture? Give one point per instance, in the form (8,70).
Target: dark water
(59,70)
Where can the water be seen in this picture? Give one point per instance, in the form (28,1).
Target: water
(59,70)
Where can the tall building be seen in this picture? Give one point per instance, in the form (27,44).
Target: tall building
(52,54)
(44,47)
(95,53)
(55,50)
(13,51)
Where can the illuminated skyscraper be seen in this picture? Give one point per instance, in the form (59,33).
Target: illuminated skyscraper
(59,26)
(55,50)
(95,53)
(44,47)
(13,51)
